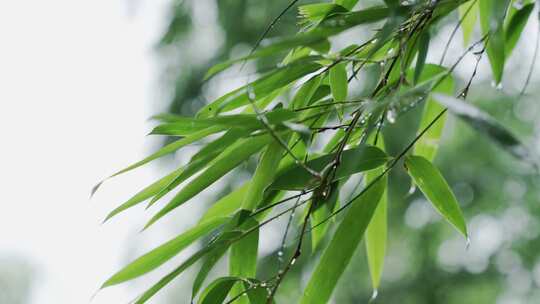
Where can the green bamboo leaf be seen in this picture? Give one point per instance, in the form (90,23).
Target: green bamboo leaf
(434,186)
(338,81)
(145,193)
(209,262)
(163,253)
(376,232)
(243,259)
(218,290)
(171,276)
(261,87)
(243,254)
(333,25)
(423,47)
(228,160)
(223,240)
(339,252)
(348,4)
(492,14)
(306,92)
(320,212)
(316,12)
(428,144)
(468,22)
(353,161)
(238,121)
(514,29)
(227,205)
(170,148)
(484,123)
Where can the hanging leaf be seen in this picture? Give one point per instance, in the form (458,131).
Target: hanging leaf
(243,259)
(338,81)
(223,240)
(492,13)
(514,28)
(218,290)
(339,252)
(353,161)
(145,193)
(376,232)
(428,144)
(239,121)
(434,186)
(228,160)
(423,47)
(487,125)
(163,253)
(260,88)
(468,13)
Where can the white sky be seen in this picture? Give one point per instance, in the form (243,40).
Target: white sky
(77,80)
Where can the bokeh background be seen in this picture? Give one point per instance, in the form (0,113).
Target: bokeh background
(79,80)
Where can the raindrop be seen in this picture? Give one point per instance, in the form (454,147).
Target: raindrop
(374,295)
(412,190)
(280,253)
(391,116)
(263,284)
(293,261)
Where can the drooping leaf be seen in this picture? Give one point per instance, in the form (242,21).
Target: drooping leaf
(339,252)
(243,259)
(514,28)
(260,88)
(145,193)
(482,122)
(348,4)
(428,144)
(162,253)
(320,212)
(492,14)
(239,121)
(223,240)
(218,290)
(436,189)
(353,161)
(423,47)
(468,13)
(338,81)
(376,232)
(306,92)
(172,147)
(228,160)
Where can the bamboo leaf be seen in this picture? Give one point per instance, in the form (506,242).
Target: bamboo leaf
(514,28)
(238,121)
(376,232)
(223,240)
(468,21)
(492,14)
(261,87)
(243,259)
(228,160)
(434,186)
(163,253)
(487,125)
(218,290)
(339,252)
(353,161)
(423,47)
(145,193)
(428,144)
(338,81)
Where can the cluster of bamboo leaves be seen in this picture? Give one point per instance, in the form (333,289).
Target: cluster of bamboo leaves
(282,117)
